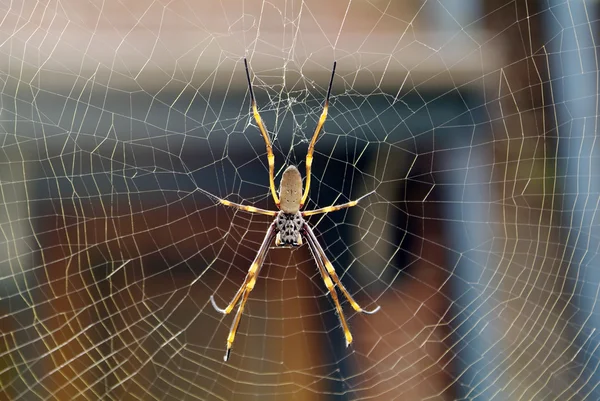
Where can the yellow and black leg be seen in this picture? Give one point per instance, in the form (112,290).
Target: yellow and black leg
(265,135)
(336,207)
(245,289)
(313,141)
(331,271)
(331,289)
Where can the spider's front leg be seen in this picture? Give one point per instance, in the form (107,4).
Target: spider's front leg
(331,271)
(328,274)
(245,289)
(331,288)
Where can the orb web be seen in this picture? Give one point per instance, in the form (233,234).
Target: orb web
(474,125)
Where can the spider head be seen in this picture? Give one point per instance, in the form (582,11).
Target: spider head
(288,228)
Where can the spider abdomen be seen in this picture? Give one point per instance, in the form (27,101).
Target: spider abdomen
(288,226)
(290,190)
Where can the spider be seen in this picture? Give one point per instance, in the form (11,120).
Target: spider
(289,227)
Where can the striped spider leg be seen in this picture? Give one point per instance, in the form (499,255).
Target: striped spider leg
(327,273)
(289,227)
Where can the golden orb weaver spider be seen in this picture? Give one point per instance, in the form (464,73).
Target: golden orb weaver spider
(289,225)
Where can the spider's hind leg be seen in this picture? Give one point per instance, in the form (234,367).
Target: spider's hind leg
(313,141)
(265,135)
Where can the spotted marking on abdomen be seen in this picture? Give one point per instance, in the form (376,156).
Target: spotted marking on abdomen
(290,190)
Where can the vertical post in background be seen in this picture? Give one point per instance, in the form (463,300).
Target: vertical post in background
(17,247)
(476,337)
(569,38)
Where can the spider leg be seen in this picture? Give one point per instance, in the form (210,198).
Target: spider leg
(311,146)
(235,325)
(245,289)
(265,135)
(336,207)
(331,289)
(311,235)
(248,208)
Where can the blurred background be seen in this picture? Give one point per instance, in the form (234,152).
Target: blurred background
(474,121)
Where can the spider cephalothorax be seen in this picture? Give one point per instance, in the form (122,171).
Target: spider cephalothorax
(289,226)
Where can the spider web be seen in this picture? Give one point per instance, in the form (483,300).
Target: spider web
(474,122)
